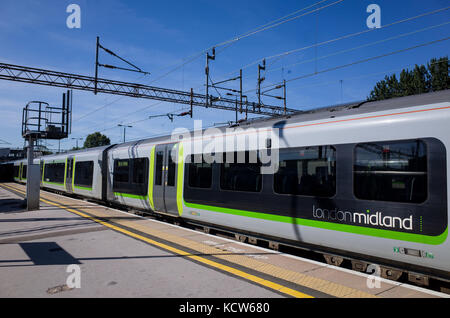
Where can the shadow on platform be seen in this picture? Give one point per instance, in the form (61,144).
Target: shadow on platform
(48,253)
(12,205)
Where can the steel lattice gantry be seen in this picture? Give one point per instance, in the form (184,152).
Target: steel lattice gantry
(79,82)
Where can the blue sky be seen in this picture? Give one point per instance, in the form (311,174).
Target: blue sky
(158,35)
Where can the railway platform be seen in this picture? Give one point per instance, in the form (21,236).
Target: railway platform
(74,248)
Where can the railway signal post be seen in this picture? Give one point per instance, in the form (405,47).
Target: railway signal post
(42,121)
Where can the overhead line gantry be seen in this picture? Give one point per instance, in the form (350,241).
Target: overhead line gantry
(38,76)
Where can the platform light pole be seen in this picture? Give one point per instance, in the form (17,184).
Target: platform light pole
(77,140)
(124,130)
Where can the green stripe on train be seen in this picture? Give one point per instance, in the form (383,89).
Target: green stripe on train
(394,235)
(54,183)
(82,188)
(131,196)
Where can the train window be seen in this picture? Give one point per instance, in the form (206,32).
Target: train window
(391,171)
(140,170)
(171,169)
(54,172)
(307,171)
(159,167)
(131,176)
(24,171)
(121,170)
(200,174)
(241,176)
(84,172)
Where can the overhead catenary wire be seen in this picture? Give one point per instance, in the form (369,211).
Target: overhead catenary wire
(252,32)
(136,69)
(103,106)
(277,22)
(268,70)
(361,46)
(399,68)
(265,28)
(358,62)
(132,122)
(179,110)
(347,36)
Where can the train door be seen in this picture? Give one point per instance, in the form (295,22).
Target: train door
(165,178)
(69,174)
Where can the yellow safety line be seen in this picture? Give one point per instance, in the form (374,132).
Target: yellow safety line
(236,272)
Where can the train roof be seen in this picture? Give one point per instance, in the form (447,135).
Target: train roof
(334,111)
(74,152)
(84,150)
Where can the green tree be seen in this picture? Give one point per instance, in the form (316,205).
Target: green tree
(96,140)
(405,86)
(380,91)
(422,79)
(393,86)
(438,71)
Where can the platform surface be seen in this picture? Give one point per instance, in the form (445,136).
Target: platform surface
(123,255)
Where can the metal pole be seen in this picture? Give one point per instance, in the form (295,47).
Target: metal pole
(207,80)
(237,108)
(192,102)
(263,67)
(259,84)
(40,114)
(68,101)
(284,95)
(124,131)
(208,57)
(63,115)
(96,65)
(240,87)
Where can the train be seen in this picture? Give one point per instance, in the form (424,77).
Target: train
(363,182)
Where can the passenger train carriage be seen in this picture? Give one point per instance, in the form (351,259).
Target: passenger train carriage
(364,182)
